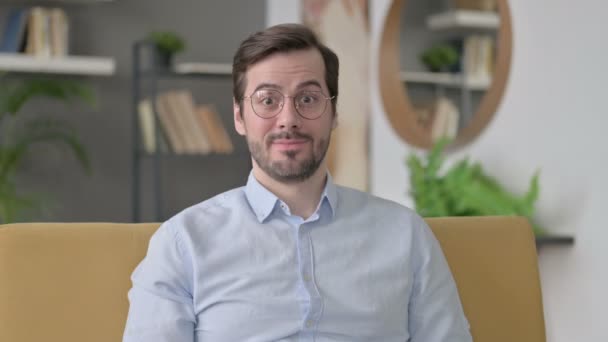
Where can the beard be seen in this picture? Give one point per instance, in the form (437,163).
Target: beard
(290,170)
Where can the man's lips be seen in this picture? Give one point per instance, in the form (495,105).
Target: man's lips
(288,144)
(289,141)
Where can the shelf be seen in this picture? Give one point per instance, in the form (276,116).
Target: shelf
(54,2)
(554,240)
(192,70)
(443,79)
(204,68)
(463,19)
(147,73)
(74,65)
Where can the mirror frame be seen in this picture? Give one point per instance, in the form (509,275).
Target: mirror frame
(393,90)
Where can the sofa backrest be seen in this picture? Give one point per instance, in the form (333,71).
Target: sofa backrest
(495,265)
(68,282)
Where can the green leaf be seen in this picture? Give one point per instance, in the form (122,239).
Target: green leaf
(18,136)
(465,189)
(167,41)
(13,95)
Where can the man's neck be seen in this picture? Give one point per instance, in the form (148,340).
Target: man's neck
(301,197)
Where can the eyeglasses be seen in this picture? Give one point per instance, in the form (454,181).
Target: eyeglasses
(268,103)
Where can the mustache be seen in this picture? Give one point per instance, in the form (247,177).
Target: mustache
(288,135)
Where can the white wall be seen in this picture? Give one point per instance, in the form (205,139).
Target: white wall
(282,11)
(553,117)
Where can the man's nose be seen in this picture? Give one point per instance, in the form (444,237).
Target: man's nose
(289,117)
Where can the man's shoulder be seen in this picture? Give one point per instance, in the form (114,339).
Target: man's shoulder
(211,210)
(353,199)
(392,219)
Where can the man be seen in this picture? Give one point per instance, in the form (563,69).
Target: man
(291,256)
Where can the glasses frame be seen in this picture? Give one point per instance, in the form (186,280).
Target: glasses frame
(293,100)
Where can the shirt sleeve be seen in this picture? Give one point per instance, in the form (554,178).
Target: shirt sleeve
(435,310)
(161,308)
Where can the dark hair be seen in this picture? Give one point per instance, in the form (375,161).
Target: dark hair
(281,38)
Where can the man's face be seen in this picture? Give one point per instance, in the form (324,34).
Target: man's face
(287,147)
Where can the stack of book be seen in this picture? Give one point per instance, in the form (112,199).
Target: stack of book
(187,128)
(439,119)
(37,31)
(445,119)
(478,58)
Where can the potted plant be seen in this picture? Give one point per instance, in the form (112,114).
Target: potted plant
(167,45)
(440,57)
(464,189)
(18,135)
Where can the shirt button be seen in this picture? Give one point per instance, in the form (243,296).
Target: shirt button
(308,323)
(306,278)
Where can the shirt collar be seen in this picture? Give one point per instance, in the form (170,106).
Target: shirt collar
(262,201)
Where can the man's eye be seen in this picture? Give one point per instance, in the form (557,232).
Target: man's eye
(308,99)
(268,101)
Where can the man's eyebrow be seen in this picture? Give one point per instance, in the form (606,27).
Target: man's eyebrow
(309,83)
(267,86)
(278,87)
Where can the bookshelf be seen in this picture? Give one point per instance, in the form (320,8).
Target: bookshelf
(476,52)
(444,79)
(554,240)
(35,39)
(470,19)
(68,65)
(146,79)
(203,69)
(54,2)
(468,94)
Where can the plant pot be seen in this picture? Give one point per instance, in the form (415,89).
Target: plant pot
(163,59)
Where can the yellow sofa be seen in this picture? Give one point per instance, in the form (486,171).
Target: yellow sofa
(68,282)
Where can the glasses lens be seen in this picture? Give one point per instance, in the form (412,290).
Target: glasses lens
(310,104)
(267,103)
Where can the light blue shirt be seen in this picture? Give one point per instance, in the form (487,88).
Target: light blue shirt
(241,267)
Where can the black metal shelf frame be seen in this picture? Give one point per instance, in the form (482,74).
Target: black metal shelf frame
(151,76)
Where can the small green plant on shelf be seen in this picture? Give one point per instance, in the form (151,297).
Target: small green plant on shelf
(18,135)
(167,44)
(440,57)
(464,189)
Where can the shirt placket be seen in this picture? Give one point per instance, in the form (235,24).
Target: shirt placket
(313,304)
(313,315)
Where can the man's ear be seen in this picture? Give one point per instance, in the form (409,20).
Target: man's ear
(239,124)
(334,122)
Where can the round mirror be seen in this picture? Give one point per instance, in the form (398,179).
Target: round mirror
(443,67)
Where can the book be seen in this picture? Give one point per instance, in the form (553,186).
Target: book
(182,104)
(39,32)
(210,121)
(478,61)
(58,32)
(170,124)
(146,125)
(15,31)
(445,119)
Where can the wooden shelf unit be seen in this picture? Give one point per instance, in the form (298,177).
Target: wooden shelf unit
(69,65)
(554,240)
(463,19)
(444,79)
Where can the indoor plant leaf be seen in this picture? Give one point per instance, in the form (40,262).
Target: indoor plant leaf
(465,189)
